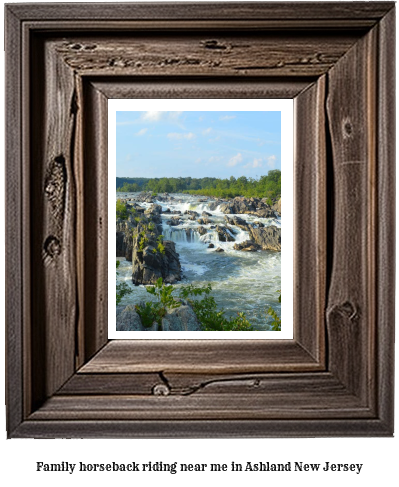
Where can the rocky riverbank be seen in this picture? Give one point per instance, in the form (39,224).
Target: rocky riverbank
(182,318)
(139,238)
(188,239)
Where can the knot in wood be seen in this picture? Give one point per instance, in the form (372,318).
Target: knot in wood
(50,188)
(161,390)
(213,44)
(52,246)
(347,128)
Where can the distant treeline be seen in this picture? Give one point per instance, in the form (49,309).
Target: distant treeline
(138,183)
(265,187)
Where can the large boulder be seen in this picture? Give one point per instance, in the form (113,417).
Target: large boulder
(264,213)
(182,318)
(277,207)
(214,204)
(146,197)
(127,319)
(121,244)
(223,234)
(247,246)
(239,205)
(153,213)
(204,221)
(191,213)
(201,230)
(238,222)
(149,264)
(227,207)
(269,238)
(174,221)
(124,241)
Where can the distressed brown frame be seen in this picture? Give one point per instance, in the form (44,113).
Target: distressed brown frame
(62,64)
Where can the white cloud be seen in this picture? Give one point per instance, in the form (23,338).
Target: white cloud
(198,160)
(235,160)
(227,117)
(207,131)
(179,136)
(152,116)
(141,132)
(271,161)
(254,163)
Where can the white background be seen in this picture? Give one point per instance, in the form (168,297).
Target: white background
(19,457)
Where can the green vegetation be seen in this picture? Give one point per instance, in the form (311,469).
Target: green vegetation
(151,312)
(134,184)
(121,210)
(143,242)
(265,187)
(161,246)
(121,289)
(276,323)
(202,302)
(206,310)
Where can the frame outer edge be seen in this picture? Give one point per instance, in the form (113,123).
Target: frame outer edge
(16,254)
(303,11)
(385,289)
(14,213)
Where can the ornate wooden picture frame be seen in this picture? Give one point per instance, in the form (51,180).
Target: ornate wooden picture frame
(63,62)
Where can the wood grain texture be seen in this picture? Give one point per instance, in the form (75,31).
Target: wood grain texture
(337,63)
(385,245)
(184,384)
(200,356)
(276,396)
(197,87)
(191,428)
(53,222)
(242,54)
(14,259)
(203,407)
(310,209)
(206,11)
(95,202)
(352,126)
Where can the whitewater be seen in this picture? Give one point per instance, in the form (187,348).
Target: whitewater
(246,282)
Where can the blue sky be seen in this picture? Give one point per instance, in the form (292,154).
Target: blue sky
(197,144)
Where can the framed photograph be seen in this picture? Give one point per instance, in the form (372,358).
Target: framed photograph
(65,66)
(200,242)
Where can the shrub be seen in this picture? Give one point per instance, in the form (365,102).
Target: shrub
(150,311)
(161,246)
(122,289)
(210,317)
(143,242)
(206,310)
(121,210)
(276,323)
